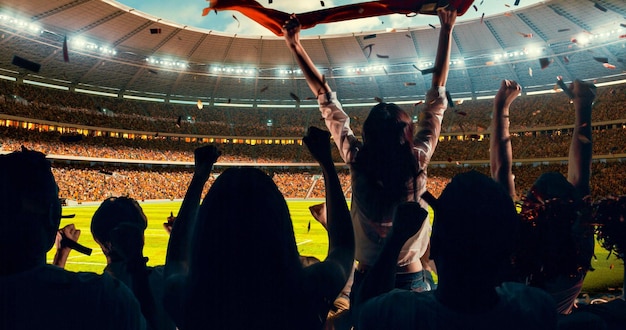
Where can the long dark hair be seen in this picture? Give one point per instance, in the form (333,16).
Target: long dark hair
(387,159)
(244,268)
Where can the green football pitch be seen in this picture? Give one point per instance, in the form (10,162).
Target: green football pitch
(606,278)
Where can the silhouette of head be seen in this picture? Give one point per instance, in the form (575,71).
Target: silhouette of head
(387,125)
(30,211)
(243,252)
(474,218)
(118,216)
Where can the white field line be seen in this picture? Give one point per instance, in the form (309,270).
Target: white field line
(304,242)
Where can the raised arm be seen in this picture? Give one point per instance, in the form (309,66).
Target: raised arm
(335,118)
(500,151)
(408,219)
(447,18)
(337,266)
(313,77)
(580,151)
(177,259)
(429,125)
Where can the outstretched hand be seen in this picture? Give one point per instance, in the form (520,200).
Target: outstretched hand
(447,16)
(204,158)
(582,91)
(291,30)
(408,220)
(508,92)
(318,143)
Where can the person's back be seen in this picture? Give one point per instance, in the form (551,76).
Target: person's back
(49,297)
(473,234)
(34,295)
(118,226)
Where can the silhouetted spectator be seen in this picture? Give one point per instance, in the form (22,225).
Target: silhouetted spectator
(34,295)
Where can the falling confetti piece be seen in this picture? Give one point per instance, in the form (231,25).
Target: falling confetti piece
(369,36)
(507,5)
(322,3)
(236,19)
(459,102)
(609,66)
(563,30)
(566,59)
(488,63)
(200,105)
(461,113)
(408,36)
(525,35)
(432,26)
(516,2)
(378,99)
(264,88)
(369,48)
(417,103)
(482,18)
(295,97)
(427,71)
(179,121)
(385,70)
(152,71)
(206,11)
(530,72)
(508,14)
(382,56)
(66,55)
(601,59)
(409,84)
(544,62)
(475,8)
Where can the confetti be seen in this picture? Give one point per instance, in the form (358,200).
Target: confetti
(369,36)
(544,62)
(417,103)
(295,97)
(601,59)
(482,18)
(378,99)
(525,35)
(66,56)
(516,2)
(179,121)
(236,19)
(155,31)
(562,30)
(566,59)
(382,56)
(369,47)
(409,84)
(322,3)
(432,26)
(475,8)
(530,72)
(200,105)
(609,66)
(266,87)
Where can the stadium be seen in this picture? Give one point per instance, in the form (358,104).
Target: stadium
(118,99)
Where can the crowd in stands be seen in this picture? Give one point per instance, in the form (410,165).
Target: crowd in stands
(535,111)
(231,265)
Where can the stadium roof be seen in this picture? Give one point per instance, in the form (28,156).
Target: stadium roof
(111,49)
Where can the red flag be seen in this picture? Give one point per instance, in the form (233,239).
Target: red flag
(66,55)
